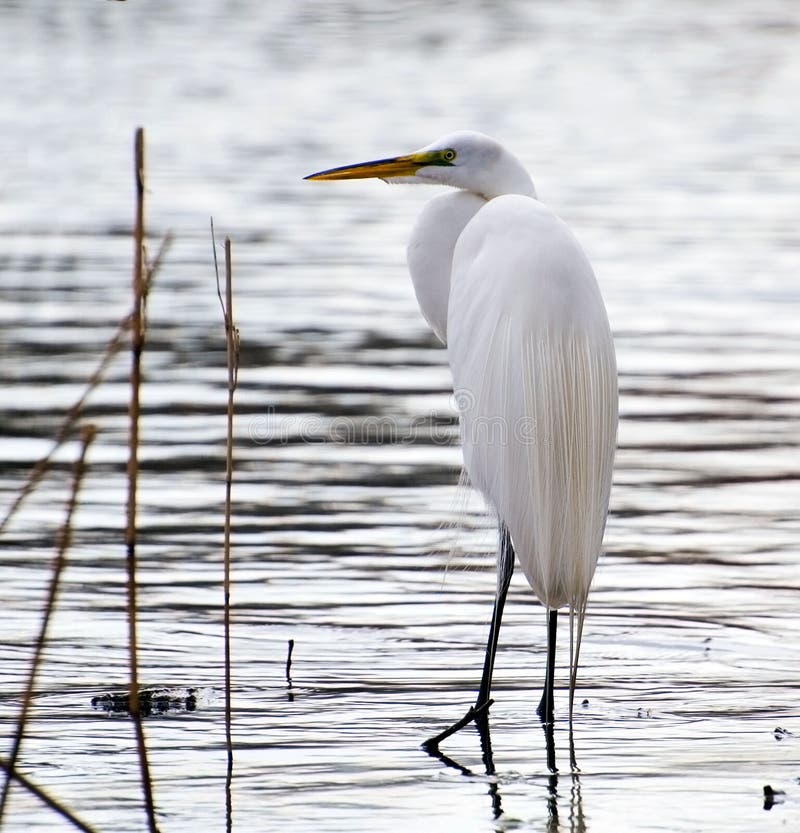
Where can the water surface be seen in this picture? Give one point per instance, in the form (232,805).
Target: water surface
(668,142)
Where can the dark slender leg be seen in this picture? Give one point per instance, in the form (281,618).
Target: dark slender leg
(545,709)
(479,712)
(505,569)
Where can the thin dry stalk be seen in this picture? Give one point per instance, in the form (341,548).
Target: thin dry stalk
(44,797)
(137,347)
(232,349)
(65,536)
(289,663)
(76,411)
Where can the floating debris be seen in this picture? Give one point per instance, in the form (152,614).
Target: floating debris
(151,701)
(772,797)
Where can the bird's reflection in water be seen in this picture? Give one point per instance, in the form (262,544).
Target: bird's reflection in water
(482,722)
(576,818)
(577,822)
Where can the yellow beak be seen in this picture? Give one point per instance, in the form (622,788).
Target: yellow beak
(388,168)
(381,168)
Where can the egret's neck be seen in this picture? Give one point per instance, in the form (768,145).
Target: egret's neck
(430,252)
(492,172)
(504,175)
(513,179)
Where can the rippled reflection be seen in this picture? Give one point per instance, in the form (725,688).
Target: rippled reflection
(667,143)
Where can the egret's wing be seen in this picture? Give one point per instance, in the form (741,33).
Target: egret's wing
(535,378)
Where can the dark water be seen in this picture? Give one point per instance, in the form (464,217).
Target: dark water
(669,143)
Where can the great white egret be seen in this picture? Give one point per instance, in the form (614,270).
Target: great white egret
(505,285)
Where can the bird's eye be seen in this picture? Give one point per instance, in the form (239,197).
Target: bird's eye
(449,155)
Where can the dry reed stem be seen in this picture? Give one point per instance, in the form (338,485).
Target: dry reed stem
(289,663)
(76,411)
(232,352)
(44,797)
(64,539)
(137,347)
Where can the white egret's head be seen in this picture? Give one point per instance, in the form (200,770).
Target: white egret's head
(467,160)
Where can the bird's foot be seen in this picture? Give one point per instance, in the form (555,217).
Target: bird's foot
(474,713)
